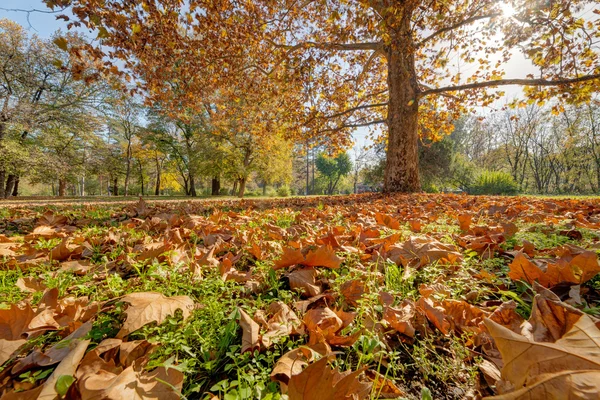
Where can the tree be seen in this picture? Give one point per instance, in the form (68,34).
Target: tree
(397,57)
(333,169)
(39,84)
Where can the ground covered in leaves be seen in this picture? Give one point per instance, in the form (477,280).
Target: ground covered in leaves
(363,297)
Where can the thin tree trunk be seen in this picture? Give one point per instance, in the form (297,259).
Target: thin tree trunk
(402,166)
(115,187)
(242,187)
(157,185)
(62,187)
(307,166)
(128,170)
(15,192)
(192,186)
(215,186)
(234,189)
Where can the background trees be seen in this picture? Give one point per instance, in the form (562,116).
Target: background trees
(412,66)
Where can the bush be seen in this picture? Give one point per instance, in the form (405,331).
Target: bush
(283,191)
(494,182)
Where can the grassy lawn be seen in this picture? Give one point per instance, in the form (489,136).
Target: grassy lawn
(396,288)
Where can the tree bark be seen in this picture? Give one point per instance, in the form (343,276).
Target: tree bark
(402,166)
(2,180)
(215,186)
(128,170)
(115,188)
(234,189)
(15,192)
(157,185)
(192,186)
(10,185)
(62,187)
(242,187)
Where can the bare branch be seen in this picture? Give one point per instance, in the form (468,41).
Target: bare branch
(457,25)
(353,109)
(506,82)
(332,46)
(357,125)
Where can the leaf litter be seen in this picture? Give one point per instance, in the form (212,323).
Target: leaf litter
(332,298)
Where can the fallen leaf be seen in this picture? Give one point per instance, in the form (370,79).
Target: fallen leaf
(319,381)
(250,332)
(147,307)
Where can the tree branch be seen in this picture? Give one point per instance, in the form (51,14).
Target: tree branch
(357,125)
(351,110)
(455,26)
(506,82)
(332,46)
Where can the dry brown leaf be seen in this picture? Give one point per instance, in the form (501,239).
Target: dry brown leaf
(434,313)
(147,307)
(290,364)
(304,279)
(133,383)
(30,284)
(577,270)
(353,291)
(319,381)
(290,257)
(566,385)
(324,256)
(525,360)
(67,366)
(401,318)
(78,267)
(383,387)
(250,332)
(387,220)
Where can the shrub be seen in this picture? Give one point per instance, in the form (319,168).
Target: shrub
(494,182)
(283,191)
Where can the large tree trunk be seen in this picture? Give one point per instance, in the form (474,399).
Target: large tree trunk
(62,187)
(215,186)
(402,166)
(10,185)
(242,187)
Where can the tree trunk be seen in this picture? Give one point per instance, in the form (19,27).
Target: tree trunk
(128,170)
(2,180)
(115,188)
(242,187)
(62,187)
(10,185)
(192,186)
(15,192)
(215,186)
(234,189)
(157,185)
(402,166)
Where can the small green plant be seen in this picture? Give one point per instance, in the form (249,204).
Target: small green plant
(494,183)
(283,191)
